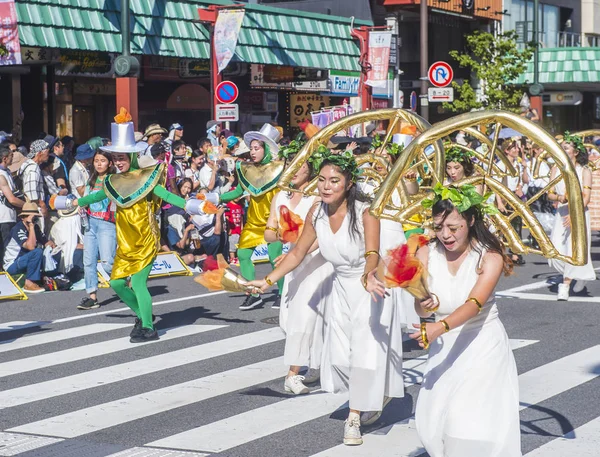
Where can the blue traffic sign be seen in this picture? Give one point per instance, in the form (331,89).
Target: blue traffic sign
(226,92)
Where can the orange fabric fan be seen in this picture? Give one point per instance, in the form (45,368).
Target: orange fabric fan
(52,200)
(123,117)
(209,208)
(403,269)
(214,269)
(409,130)
(308,128)
(290,225)
(200,196)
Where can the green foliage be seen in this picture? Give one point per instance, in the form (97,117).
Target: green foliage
(462,198)
(496,62)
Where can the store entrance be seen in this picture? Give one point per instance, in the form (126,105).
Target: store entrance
(83,123)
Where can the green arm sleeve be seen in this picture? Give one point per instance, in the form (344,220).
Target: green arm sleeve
(232,195)
(92,198)
(168,197)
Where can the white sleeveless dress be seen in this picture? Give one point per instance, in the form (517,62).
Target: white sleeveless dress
(303,299)
(561,238)
(357,356)
(468,405)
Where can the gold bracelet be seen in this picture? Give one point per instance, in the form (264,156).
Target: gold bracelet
(587,187)
(474,300)
(446,326)
(368,253)
(409,179)
(268,281)
(273,229)
(363,280)
(424,335)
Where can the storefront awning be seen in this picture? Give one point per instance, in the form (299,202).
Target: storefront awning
(273,36)
(565,65)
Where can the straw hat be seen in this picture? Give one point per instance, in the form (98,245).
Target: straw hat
(154,129)
(30,208)
(18,160)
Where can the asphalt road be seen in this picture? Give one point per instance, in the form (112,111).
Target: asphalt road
(72,385)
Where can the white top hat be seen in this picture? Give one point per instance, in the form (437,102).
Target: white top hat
(267,134)
(401,138)
(123,139)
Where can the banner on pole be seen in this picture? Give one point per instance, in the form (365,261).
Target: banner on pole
(379,58)
(10,49)
(227,30)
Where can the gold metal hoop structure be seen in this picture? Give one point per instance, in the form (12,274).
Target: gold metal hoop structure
(496,183)
(583,134)
(323,136)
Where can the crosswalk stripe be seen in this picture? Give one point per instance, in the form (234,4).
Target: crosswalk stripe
(100,417)
(254,424)
(584,441)
(547,297)
(148,452)
(15,444)
(19,325)
(58,335)
(108,375)
(95,349)
(537,385)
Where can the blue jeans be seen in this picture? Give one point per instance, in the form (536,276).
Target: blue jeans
(100,239)
(29,263)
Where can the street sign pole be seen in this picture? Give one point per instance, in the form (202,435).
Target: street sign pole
(424,59)
(209,15)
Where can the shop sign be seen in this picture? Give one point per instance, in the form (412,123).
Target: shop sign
(379,58)
(94,89)
(283,74)
(72,63)
(159,68)
(344,83)
(257,80)
(302,105)
(562,98)
(380,103)
(10,48)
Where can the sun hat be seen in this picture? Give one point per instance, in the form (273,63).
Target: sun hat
(176,126)
(84,152)
(153,129)
(30,208)
(267,134)
(18,160)
(242,149)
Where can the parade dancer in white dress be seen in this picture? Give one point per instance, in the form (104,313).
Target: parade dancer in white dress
(561,232)
(301,314)
(356,353)
(468,405)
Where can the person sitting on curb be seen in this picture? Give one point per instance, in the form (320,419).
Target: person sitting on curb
(21,251)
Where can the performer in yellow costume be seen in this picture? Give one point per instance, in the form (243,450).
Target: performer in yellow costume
(258,178)
(138,191)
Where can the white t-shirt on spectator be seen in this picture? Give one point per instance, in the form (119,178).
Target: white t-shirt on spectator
(7,212)
(78,177)
(205,175)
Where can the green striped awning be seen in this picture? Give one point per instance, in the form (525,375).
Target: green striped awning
(565,65)
(269,35)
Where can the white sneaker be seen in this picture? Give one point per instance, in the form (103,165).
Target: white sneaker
(370,417)
(312,375)
(579,286)
(294,385)
(563,292)
(352,436)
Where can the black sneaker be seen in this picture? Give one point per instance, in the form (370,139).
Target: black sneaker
(137,327)
(251,302)
(144,335)
(277,303)
(88,303)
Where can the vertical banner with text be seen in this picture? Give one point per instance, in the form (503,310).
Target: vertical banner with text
(10,49)
(227,30)
(379,57)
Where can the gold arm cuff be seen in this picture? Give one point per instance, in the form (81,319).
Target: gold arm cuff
(477,302)
(368,253)
(268,281)
(424,335)
(587,187)
(446,326)
(273,229)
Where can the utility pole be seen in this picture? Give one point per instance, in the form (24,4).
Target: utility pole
(424,59)
(392,22)
(127,68)
(536,88)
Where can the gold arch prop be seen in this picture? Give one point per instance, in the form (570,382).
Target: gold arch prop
(496,183)
(323,136)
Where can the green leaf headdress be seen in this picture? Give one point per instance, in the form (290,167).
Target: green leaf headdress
(345,160)
(457,154)
(576,141)
(462,198)
(376,142)
(289,151)
(394,149)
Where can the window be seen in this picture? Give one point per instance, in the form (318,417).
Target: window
(522,11)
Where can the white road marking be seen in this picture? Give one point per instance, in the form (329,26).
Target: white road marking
(149,452)
(46,337)
(129,370)
(100,417)
(93,350)
(14,444)
(547,297)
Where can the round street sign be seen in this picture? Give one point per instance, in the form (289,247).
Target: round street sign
(413,101)
(440,74)
(226,92)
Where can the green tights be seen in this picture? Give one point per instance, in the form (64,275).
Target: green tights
(138,297)
(247,267)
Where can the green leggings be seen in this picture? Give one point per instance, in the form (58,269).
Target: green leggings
(137,298)
(247,267)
